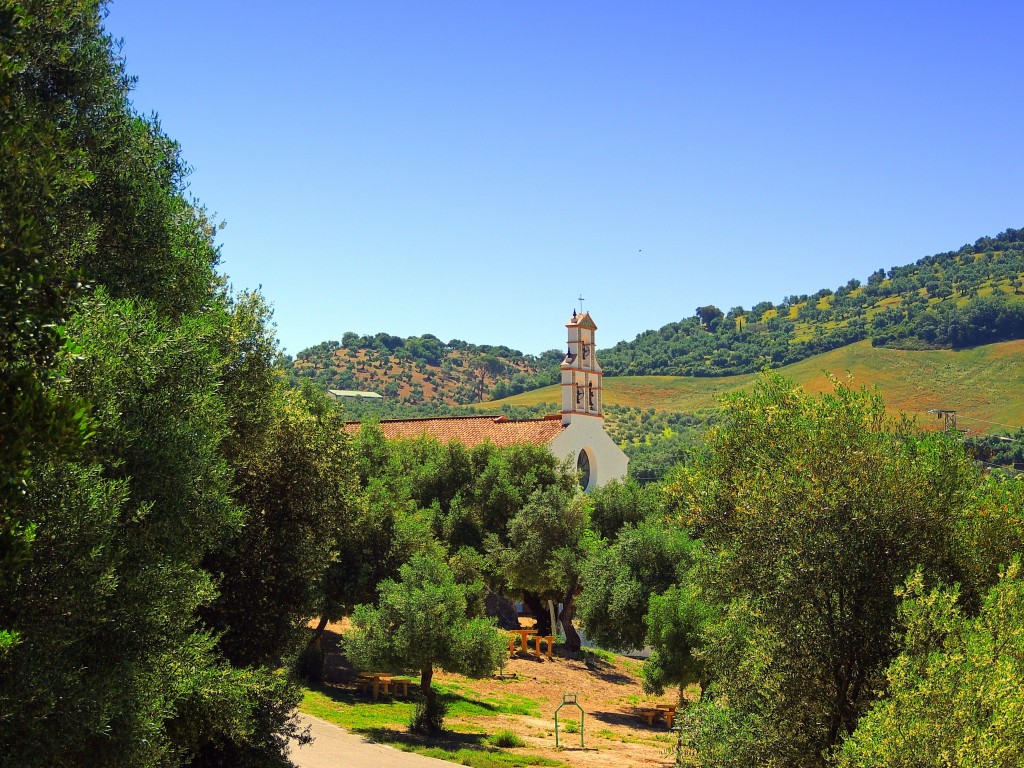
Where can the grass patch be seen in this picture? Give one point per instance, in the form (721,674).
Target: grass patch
(387,722)
(463,705)
(495,759)
(633,667)
(988,377)
(355,713)
(506,738)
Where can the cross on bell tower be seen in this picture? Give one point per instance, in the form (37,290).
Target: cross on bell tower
(581,375)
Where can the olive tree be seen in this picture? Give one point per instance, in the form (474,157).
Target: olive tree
(954,694)
(423,621)
(816,508)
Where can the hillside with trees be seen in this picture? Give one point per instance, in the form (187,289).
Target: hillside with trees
(423,370)
(955,300)
(950,300)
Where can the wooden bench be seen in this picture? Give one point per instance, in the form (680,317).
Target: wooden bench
(524,635)
(403,683)
(549,639)
(670,713)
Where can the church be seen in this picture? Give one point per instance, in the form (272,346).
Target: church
(576,433)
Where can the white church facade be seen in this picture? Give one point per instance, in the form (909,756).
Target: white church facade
(576,433)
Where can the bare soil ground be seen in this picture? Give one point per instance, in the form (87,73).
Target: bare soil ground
(607,688)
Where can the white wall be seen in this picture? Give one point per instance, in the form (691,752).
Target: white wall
(607,461)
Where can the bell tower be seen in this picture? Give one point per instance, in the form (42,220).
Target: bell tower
(581,375)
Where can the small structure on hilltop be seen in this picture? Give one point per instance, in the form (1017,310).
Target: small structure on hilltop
(353,394)
(577,433)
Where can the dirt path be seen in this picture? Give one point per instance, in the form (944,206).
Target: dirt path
(333,747)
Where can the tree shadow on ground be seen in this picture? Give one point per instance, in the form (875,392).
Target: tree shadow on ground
(598,667)
(451,741)
(349,694)
(628,719)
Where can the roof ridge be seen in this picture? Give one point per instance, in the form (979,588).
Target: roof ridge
(441,418)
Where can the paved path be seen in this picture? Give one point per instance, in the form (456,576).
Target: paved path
(334,747)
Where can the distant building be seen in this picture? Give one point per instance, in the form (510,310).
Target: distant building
(577,433)
(350,394)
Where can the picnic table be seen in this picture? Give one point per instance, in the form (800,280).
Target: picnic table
(650,714)
(670,713)
(381,681)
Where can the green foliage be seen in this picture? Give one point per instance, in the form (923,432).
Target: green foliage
(309,665)
(131,393)
(506,738)
(542,556)
(41,168)
(816,509)
(956,299)
(428,715)
(419,491)
(422,371)
(949,300)
(990,532)
(1001,451)
(675,622)
(422,621)
(296,491)
(654,440)
(954,696)
(619,579)
(616,504)
(120,534)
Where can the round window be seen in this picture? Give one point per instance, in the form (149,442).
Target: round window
(583,466)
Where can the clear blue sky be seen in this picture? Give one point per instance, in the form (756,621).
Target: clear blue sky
(467,169)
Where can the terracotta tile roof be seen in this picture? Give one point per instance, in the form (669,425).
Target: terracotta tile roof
(473,430)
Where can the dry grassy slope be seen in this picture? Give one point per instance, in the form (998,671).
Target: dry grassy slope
(456,382)
(985,385)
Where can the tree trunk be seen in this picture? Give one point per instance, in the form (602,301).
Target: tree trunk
(318,633)
(426,675)
(572,637)
(533,602)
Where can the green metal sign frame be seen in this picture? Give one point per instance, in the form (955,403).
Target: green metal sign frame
(569,699)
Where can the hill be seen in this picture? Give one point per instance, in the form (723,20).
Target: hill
(983,384)
(952,300)
(947,301)
(423,370)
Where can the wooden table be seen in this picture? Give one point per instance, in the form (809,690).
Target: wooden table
(549,639)
(380,681)
(648,714)
(523,635)
(670,713)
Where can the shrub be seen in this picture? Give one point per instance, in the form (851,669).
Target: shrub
(428,717)
(309,665)
(506,738)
